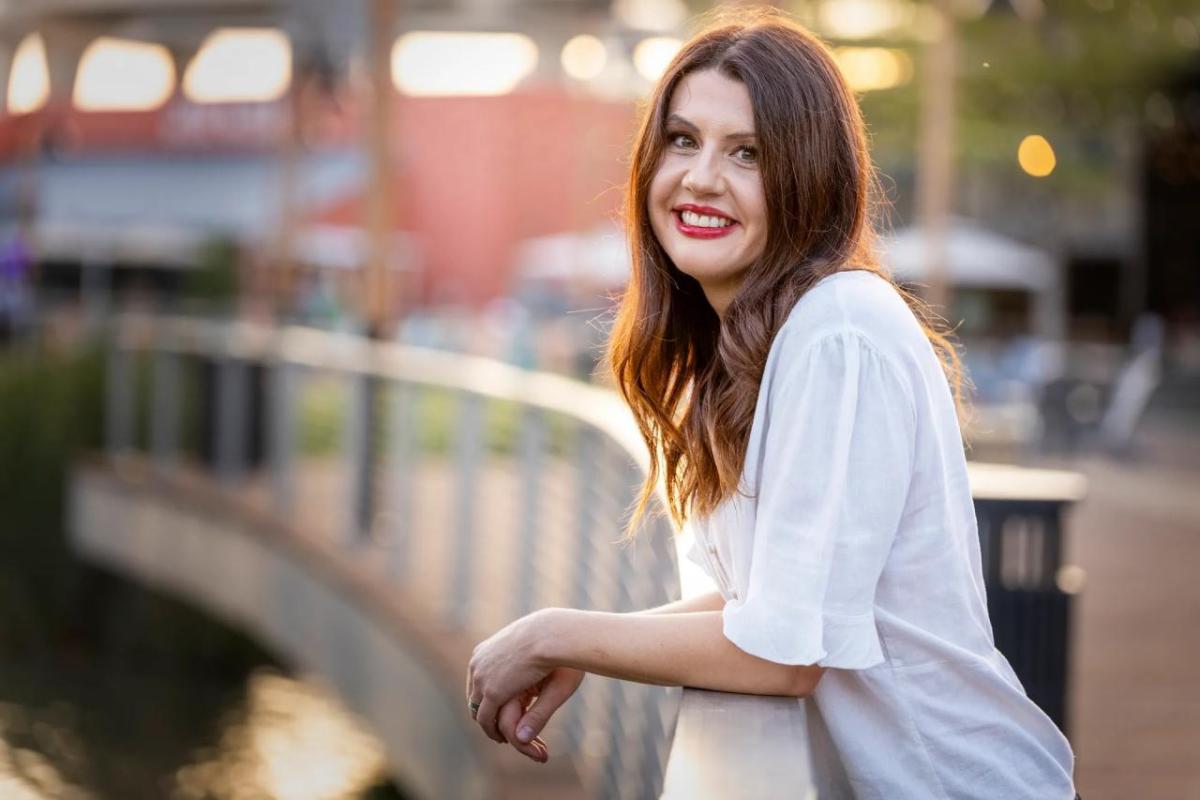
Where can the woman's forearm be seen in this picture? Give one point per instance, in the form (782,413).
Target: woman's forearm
(667,649)
(709,601)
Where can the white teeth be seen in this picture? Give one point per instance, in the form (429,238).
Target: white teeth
(704,221)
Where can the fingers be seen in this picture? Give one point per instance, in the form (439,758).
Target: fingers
(499,720)
(510,712)
(486,717)
(470,693)
(481,709)
(556,690)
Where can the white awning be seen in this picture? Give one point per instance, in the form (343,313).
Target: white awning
(975,257)
(146,209)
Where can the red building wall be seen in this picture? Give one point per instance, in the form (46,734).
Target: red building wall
(474,175)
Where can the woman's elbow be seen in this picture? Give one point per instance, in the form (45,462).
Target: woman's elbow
(803,679)
(783,680)
(771,677)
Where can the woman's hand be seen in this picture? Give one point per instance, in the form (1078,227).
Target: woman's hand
(555,689)
(522,718)
(510,714)
(502,667)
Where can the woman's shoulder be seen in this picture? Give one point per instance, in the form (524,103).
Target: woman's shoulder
(858,302)
(849,326)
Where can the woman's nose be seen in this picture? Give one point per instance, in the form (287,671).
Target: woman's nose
(704,174)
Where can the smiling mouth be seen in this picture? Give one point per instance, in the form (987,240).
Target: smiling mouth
(700,220)
(702,226)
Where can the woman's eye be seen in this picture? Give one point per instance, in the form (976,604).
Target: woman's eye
(747,153)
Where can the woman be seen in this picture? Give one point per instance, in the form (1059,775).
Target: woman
(803,415)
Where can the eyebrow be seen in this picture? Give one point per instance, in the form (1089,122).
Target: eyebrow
(678,120)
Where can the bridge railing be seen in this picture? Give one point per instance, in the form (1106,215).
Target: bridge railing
(483,491)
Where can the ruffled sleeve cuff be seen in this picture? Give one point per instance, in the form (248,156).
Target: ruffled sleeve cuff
(800,637)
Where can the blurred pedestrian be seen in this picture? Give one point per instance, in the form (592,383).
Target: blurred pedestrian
(16,288)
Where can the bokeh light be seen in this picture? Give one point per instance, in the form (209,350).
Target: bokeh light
(29,83)
(244,65)
(653,55)
(873,68)
(651,15)
(584,57)
(859,19)
(124,75)
(438,63)
(1036,156)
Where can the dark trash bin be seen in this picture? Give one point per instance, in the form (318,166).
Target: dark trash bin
(1021,544)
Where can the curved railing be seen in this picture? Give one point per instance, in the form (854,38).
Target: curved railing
(471,492)
(482,491)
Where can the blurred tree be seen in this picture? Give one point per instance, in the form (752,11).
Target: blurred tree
(1082,73)
(215,281)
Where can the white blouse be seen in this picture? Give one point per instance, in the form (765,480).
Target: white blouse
(860,553)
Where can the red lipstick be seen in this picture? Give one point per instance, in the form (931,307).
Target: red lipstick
(697,231)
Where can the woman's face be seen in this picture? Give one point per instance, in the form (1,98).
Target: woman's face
(706,200)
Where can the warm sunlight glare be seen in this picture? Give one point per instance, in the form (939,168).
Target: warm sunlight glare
(124,75)
(29,82)
(293,741)
(437,63)
(240,65)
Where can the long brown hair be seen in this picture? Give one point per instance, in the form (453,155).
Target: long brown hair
(690,377)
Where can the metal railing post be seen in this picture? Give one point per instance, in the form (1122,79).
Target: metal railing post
(586,456)
(469,455)
(282,382)
(531,446)
(231,422)
(120,399)
(402,474)
(356,447)
(164,430)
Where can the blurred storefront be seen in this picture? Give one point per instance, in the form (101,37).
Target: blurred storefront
(135,135)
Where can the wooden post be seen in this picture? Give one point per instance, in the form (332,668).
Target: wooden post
(281,261)
(378,285)
(935,156)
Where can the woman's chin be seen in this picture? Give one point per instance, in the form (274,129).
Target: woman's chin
(707,273)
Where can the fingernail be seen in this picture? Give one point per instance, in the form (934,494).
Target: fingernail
(524,733)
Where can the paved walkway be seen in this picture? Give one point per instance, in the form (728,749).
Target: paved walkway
(1135,699)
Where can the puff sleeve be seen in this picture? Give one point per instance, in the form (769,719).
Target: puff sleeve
(837,461)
